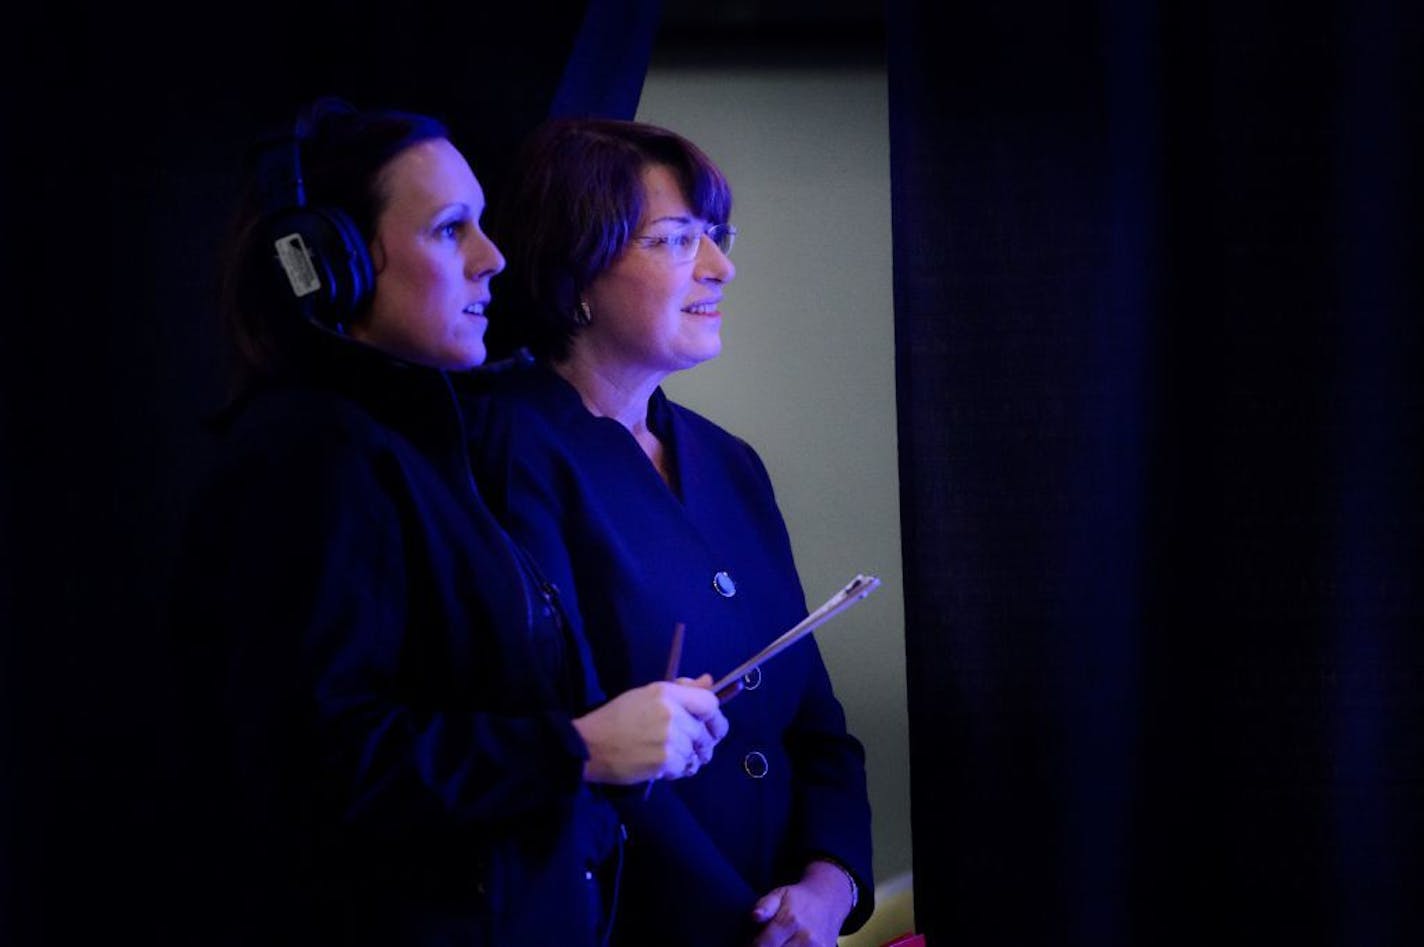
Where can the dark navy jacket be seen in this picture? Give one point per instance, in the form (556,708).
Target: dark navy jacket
(787,784)
(391,693)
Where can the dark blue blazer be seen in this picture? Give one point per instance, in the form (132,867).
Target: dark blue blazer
(631,559)
(386,691)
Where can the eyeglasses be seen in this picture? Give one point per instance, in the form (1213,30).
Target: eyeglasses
(682,245)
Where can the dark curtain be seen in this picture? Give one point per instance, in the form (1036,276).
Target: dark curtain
(1158,328)
(124,127)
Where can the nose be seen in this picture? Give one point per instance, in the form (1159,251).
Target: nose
(484,258)
(712,263)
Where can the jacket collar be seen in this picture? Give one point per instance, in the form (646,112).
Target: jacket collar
(414,400)
(564,403)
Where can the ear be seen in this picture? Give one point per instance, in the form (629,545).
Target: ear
(378,254)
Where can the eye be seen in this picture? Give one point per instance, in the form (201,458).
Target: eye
(451,229)
(685,240)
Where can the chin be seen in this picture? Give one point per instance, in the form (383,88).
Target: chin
(460,359)
(468,351)
(693,360)
(473,360)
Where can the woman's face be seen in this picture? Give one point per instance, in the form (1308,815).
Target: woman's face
(433,263)
(650,311)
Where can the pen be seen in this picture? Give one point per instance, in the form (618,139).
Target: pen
(674,659)
(674,653)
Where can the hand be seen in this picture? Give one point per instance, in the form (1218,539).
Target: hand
(664,730)
(715,725)
(807,914)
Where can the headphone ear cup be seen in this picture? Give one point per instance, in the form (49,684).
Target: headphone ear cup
(321,262)
(354,272)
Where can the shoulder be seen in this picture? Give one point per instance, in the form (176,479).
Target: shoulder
(533,420)
(499,394)
(302,440)
(524,398)
(521,437)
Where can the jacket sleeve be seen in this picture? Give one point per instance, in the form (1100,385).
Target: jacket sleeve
(313,595)
(830,811)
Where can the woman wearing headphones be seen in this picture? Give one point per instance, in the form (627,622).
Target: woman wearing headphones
(409,729)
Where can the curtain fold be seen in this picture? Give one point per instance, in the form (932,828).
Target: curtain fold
(1158,370)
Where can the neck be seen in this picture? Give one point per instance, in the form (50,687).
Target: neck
(611,393)
(622,396)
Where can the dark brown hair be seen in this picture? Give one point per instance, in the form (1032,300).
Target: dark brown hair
(575,200)
(338,153)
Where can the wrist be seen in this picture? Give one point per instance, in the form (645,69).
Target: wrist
(854,888)
(588,768)
(836,873)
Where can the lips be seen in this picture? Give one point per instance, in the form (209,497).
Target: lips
(476,309)
(708,308)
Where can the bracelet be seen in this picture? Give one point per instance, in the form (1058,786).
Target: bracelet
(850,880)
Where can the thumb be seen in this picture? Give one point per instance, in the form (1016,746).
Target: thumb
(766,908)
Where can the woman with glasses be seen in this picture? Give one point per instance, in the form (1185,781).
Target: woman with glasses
(415,749)
(647,516)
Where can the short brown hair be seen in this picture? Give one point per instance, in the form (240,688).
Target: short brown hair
(574,202)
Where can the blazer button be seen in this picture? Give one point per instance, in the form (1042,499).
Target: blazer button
(755,764)
(724,585)
(752,679)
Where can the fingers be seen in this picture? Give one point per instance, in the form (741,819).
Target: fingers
(695,743)
(704,735)
(660,730)
(716,727)
(681,759)
(703,683)
(690,766)
(767,906)
(694,698)
(768,911)
(701,754)
(695,727)
(703,705)
(795,914)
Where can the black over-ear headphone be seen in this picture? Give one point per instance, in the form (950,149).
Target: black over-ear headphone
(319,260)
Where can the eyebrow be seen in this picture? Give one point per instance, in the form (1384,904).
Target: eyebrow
(453,212)
(674,218)
(454,206)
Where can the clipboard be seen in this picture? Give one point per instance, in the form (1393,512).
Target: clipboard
(853,593)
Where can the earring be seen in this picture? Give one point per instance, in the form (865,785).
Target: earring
(583,316)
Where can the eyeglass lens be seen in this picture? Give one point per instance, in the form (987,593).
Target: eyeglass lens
(723,235)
